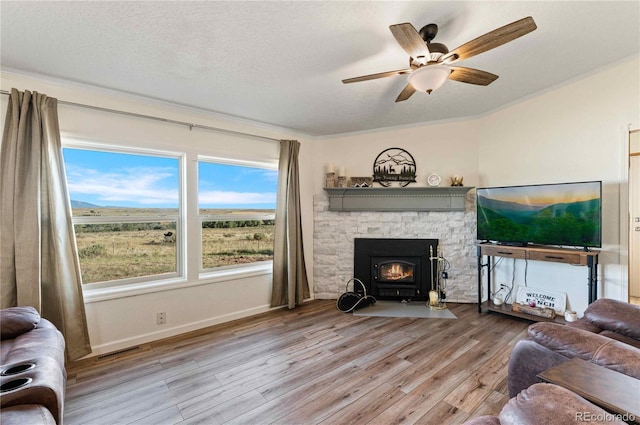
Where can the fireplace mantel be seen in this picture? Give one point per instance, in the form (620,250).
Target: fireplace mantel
(398,198)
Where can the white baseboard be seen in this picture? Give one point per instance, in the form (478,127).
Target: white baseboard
(176,330)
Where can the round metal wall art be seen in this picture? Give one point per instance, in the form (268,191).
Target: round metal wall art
(394,165)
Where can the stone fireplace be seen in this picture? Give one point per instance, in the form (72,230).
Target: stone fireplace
(395,269)
(335,233)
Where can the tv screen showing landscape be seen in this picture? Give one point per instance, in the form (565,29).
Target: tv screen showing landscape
(548,214)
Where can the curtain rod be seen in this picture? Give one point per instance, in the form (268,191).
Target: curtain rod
(166,120)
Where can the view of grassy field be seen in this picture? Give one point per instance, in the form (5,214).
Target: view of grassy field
(126,250)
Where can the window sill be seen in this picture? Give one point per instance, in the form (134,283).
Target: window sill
(236,272)
(92,295)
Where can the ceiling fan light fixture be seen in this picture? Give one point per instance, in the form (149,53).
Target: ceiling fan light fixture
(429,78)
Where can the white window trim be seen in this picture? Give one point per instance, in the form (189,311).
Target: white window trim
(110,219)
(75,143)
(236,217)
(269,165)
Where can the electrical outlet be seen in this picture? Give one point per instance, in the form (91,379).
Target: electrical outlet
(161,318)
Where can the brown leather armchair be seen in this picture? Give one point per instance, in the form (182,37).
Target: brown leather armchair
(608,335)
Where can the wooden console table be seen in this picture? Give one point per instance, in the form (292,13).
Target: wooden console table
(611,390)
(535,253)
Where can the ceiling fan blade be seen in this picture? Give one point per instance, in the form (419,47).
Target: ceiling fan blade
(376,76)
(406,93)
(492,39)
(472,76)
(410,40)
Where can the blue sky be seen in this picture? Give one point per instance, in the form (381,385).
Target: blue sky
(140,181)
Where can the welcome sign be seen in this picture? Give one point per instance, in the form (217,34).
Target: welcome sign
(542,298)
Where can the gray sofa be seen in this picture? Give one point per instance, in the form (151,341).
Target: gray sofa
(32,372)
(608,335)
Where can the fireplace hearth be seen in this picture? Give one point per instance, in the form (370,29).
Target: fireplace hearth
(395,269)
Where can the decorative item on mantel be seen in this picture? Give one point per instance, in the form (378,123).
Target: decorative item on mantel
(342,177)
(456,180)
(361,181)
(434,180)
(330,176)
(394,165)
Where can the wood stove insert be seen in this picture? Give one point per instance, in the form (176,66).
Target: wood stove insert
(395,269)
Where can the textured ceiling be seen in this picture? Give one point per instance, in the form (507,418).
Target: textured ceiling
(282,62)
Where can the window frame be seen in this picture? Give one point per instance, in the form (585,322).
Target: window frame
(188,273)
(258,267)
(148,281)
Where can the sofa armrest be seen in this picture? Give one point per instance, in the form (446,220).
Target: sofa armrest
(616,316)
(569,342)
(528,359)
(14,321)
(598,349)
(32,414)
(46,387)
(38,343)
(551,405)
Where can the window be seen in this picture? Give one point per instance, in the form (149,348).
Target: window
(126,213)
(130,224)
(236,204)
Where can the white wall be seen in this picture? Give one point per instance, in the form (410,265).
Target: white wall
(117,321)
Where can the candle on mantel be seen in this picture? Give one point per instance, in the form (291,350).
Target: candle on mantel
(342,172)
(330,169)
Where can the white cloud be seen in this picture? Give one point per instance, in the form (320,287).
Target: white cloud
(143,185)
(148,186)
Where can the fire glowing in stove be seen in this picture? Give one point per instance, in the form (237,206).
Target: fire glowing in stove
(396,271)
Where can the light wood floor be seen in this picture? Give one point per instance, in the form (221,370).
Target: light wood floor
(311,365)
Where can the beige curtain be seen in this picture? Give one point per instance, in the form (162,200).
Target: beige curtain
(290,284)
(39,263)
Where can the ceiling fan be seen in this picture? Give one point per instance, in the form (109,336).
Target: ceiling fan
(429,63)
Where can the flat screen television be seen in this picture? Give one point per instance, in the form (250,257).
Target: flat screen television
(565,214)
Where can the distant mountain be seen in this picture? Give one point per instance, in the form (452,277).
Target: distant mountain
(81,204)
(520,213)
(577,209)
(512,211)
(504,206)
